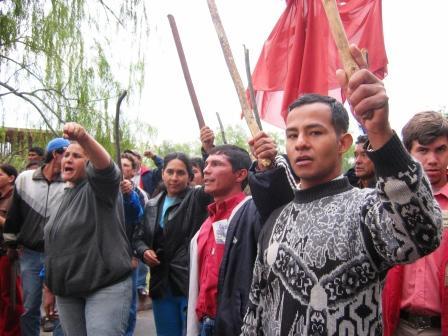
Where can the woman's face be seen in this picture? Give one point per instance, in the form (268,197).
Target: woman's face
(74,164)
(175,177)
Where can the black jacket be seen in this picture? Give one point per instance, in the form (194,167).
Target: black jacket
(235,273)
(183,220)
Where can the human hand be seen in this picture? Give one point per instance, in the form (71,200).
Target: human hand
(150,257)
(134,263)
(264,149)
(149,154)
(126,186)
(207,138)
(368,99)
(74,131)
(49,303)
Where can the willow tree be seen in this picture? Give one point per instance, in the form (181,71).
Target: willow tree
(70,59)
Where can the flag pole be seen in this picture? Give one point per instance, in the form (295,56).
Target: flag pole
(341,41)
(339,36)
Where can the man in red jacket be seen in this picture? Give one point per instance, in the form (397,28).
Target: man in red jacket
(415,296)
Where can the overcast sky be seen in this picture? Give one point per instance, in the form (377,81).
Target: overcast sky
(413,33)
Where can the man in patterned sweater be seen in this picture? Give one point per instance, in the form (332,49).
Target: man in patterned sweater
(322,257)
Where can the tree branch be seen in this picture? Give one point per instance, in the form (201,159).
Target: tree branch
(15,92)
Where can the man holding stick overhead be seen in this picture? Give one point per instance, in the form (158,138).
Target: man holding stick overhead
(322,257)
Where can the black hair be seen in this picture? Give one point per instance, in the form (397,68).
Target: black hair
(238,157)
(182,157)
(9,170)
(49,155)
(339,115)
(362,139)
(198,163)
(38,150)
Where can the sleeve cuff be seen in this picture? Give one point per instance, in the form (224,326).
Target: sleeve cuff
(391,158)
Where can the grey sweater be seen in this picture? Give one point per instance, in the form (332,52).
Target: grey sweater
(85,241)
(322,257)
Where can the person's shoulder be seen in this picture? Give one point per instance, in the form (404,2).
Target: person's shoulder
(26,176)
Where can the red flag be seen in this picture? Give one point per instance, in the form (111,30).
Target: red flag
(301,57)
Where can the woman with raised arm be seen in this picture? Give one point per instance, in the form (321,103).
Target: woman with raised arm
(88,257)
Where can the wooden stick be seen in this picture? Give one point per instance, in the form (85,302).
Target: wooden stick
(221,126)
(117,131)
(251,88)
(183,63)
(339,36)
(248,115)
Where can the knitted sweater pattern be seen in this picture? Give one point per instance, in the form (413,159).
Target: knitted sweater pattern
(322,258)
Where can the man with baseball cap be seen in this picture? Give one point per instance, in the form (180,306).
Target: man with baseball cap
(37,194)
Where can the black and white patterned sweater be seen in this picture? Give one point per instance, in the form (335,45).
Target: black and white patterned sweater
(322,257)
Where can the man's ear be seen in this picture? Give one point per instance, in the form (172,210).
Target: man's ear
(345,142)
(11,179)
(241,175)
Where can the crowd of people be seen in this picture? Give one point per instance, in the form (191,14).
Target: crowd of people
(279,245)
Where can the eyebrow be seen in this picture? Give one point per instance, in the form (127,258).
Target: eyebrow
(315,125)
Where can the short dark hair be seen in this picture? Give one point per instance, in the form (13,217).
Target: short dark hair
(9,170)
(198,163)
(182,157)
(38,150)
(339,115)
(362,139)
(238,157)
(131,158)
(49,155)
(424,127)
(134,153)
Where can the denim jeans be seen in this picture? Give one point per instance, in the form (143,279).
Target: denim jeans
(31,263)
(170,315)
(207,327)
(142,273)
(133,310)
(105,312)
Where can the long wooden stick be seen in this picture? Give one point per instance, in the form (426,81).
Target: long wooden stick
(251,88)
(221,126)
(117,131)
(339,36)
(183,63)
(248,115)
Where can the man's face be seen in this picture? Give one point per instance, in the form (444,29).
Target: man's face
(198,178)
(364,168)
(33,156)
(126,166)
(220,180)
(434,159)
(313,147)
(74,164)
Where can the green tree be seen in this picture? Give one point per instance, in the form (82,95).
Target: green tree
(58,57)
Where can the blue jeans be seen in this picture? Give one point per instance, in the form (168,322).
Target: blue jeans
(207,327)
(105,312)
(133,310)
(31,263)
(142,273)
(170,315)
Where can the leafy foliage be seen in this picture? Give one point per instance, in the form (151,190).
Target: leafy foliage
(58,56)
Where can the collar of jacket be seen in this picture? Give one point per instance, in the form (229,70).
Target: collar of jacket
(39,175)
